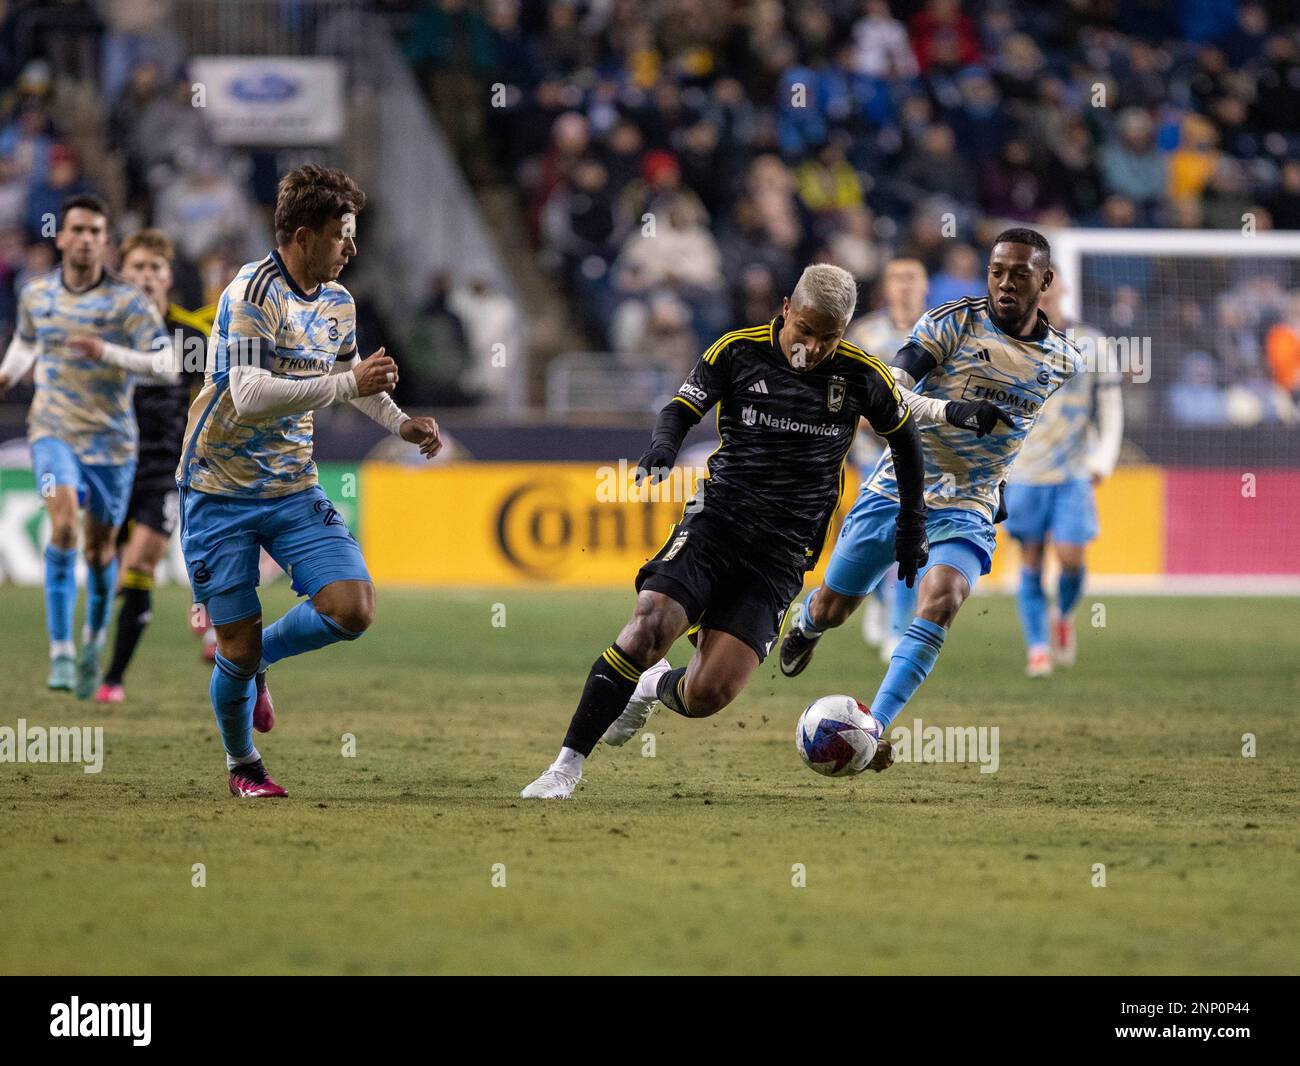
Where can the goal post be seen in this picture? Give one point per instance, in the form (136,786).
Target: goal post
(1208,493)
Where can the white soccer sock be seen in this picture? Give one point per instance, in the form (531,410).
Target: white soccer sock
(232,762)
(64,648)
(93,638)
(569,762)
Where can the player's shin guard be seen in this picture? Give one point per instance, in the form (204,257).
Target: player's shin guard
(100,581)
(1068,590)
(911,664)
(233,693)
(609,686)
(60,594)
(134,614)
(1031,604)
(670,691)
(303,628)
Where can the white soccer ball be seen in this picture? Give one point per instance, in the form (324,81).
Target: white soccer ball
(837,736)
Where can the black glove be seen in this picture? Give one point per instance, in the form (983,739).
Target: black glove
(657,463)
(911,548)
(1001,515)
(979,415)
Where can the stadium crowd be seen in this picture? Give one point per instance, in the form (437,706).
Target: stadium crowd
(150,153)
(749,138)
(752,138)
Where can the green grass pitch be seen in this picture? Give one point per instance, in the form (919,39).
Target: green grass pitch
(683,862)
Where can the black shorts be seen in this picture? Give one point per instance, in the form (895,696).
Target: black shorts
(155,502)
(160,412)
(724,581)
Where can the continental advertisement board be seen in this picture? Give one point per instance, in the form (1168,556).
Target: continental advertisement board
(563,524)
(582,524)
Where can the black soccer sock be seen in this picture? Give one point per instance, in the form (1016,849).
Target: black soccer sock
(669,691)
(609,686)
(135,613)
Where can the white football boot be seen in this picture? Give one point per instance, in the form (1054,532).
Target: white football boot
(639,707)
(552,785)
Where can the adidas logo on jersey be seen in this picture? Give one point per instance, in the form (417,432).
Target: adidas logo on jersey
(760,387)
(983,354)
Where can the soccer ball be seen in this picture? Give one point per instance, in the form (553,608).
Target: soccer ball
(837,736)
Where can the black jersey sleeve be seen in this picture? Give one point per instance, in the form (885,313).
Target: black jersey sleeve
(707,382)
(909,468)
(704,386)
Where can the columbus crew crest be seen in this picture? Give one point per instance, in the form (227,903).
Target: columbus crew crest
(835,394)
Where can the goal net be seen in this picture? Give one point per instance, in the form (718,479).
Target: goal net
(1205,329)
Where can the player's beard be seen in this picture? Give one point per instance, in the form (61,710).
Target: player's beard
(1008,322)
(84,265)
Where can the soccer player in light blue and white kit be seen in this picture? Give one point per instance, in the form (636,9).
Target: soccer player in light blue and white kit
(1074,446)
(88,332)
(283,344)
(975,363)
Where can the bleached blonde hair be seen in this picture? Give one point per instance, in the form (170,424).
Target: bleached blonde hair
(828,289)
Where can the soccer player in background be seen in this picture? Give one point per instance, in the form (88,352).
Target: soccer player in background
(789,395)
(81,424)
(1074,446)
(998,350)
(283,344)
(161,407)
(889,608)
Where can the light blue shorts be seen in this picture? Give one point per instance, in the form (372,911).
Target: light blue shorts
(222,538)
(103,489)
(864,552)
(1066,512)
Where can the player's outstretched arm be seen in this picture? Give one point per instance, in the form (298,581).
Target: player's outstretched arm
(158,361)
(910,366)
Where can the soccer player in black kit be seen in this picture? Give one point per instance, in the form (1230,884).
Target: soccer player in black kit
(161,409)
(789,396)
